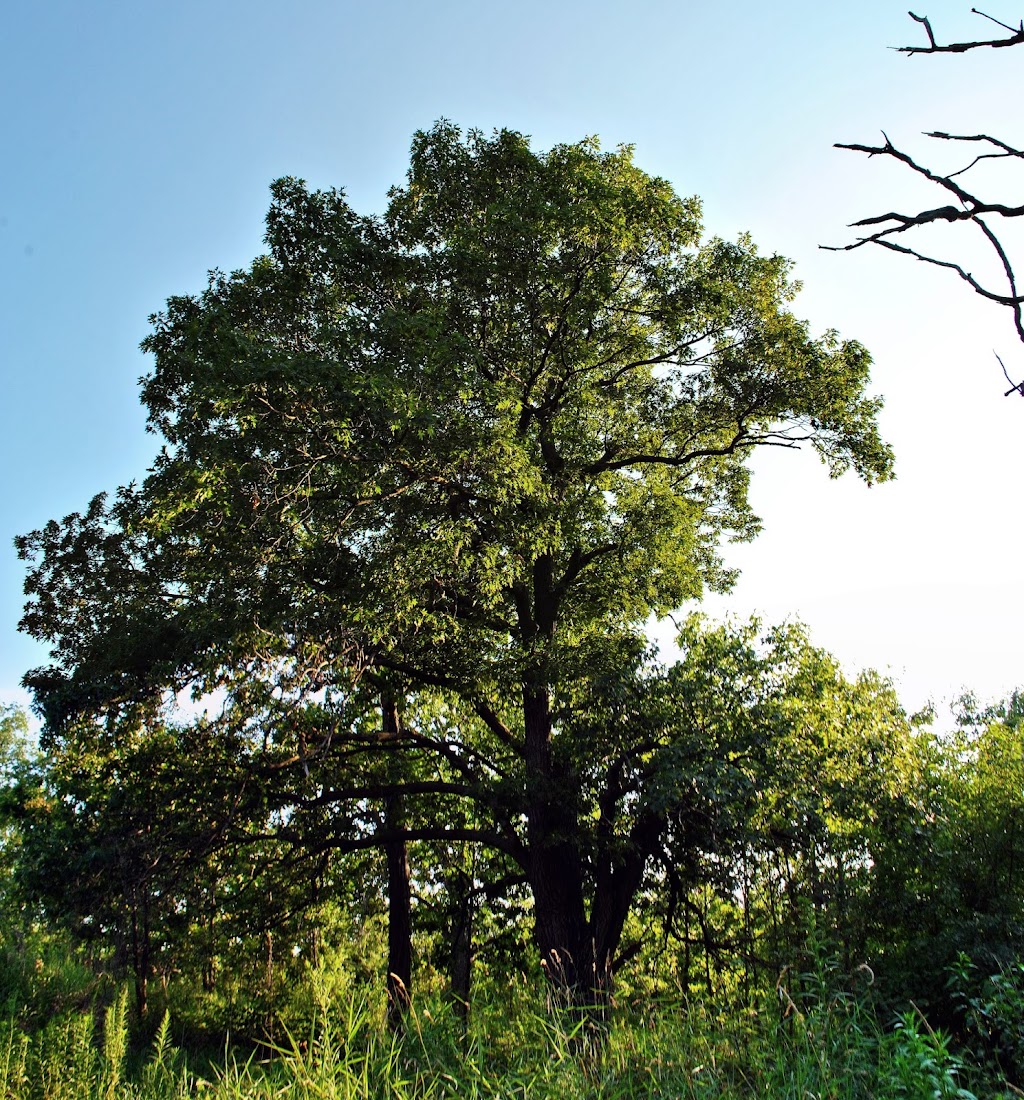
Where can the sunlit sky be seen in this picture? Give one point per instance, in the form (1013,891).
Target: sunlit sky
(139,140)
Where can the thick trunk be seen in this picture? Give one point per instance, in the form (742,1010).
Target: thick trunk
(399,918)
(577,952)
(555,869)
(140,954)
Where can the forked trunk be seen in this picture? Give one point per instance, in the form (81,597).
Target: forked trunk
(577,946)
(555,868)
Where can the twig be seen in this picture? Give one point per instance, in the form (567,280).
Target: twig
(1015,387)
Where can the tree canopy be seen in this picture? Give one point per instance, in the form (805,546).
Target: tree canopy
(424,478)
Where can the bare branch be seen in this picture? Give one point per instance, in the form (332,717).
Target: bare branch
(999,23)
(968,207)
(1001,299)
(927,27)
(890,150)
(1015,38)
(1015,387)
(1009,149)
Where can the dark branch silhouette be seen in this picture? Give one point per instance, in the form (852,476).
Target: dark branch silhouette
(1015,37)
(967,206)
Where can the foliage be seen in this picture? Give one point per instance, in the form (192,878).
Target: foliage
(792,771)
(992,1013)
(13,737)
(945,878)
(15,754)
(424,479)
(922,1066)
(446,462)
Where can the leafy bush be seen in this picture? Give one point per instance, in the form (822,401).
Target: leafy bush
(919,1064)
(992,1008)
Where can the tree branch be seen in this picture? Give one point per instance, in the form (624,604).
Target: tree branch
(970,208)
(1015,38)
(509,845)
(386,790)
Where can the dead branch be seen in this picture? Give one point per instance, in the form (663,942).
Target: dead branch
(966,207)
(1015,387)
(1015,37)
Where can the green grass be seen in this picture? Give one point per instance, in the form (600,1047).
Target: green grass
(831,1046)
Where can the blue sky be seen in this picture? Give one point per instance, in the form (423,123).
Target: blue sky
(140,139)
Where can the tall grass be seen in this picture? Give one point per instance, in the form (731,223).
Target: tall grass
(831,1045)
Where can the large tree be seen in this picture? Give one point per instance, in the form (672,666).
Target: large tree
(468,448)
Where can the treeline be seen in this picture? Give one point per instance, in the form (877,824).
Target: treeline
(820,824)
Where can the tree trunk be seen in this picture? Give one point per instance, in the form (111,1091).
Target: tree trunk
(140,952)
(576,952)
(555,869)
(461,946)
(399,982)
(399,976)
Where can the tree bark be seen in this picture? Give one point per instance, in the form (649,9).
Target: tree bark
(576,950)
(577,943)
(140,952)
(399,975)
(555,868)
(461,946)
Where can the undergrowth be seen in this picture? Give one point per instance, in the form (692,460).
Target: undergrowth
(828,1043)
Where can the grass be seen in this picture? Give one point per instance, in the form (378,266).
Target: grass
(830,1047)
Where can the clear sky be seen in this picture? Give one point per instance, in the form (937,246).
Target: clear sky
(138,142)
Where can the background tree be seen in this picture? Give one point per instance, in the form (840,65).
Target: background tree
(120,843)
(789,768)
(15,754)
(946,877)
(968,207)
(471,446)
